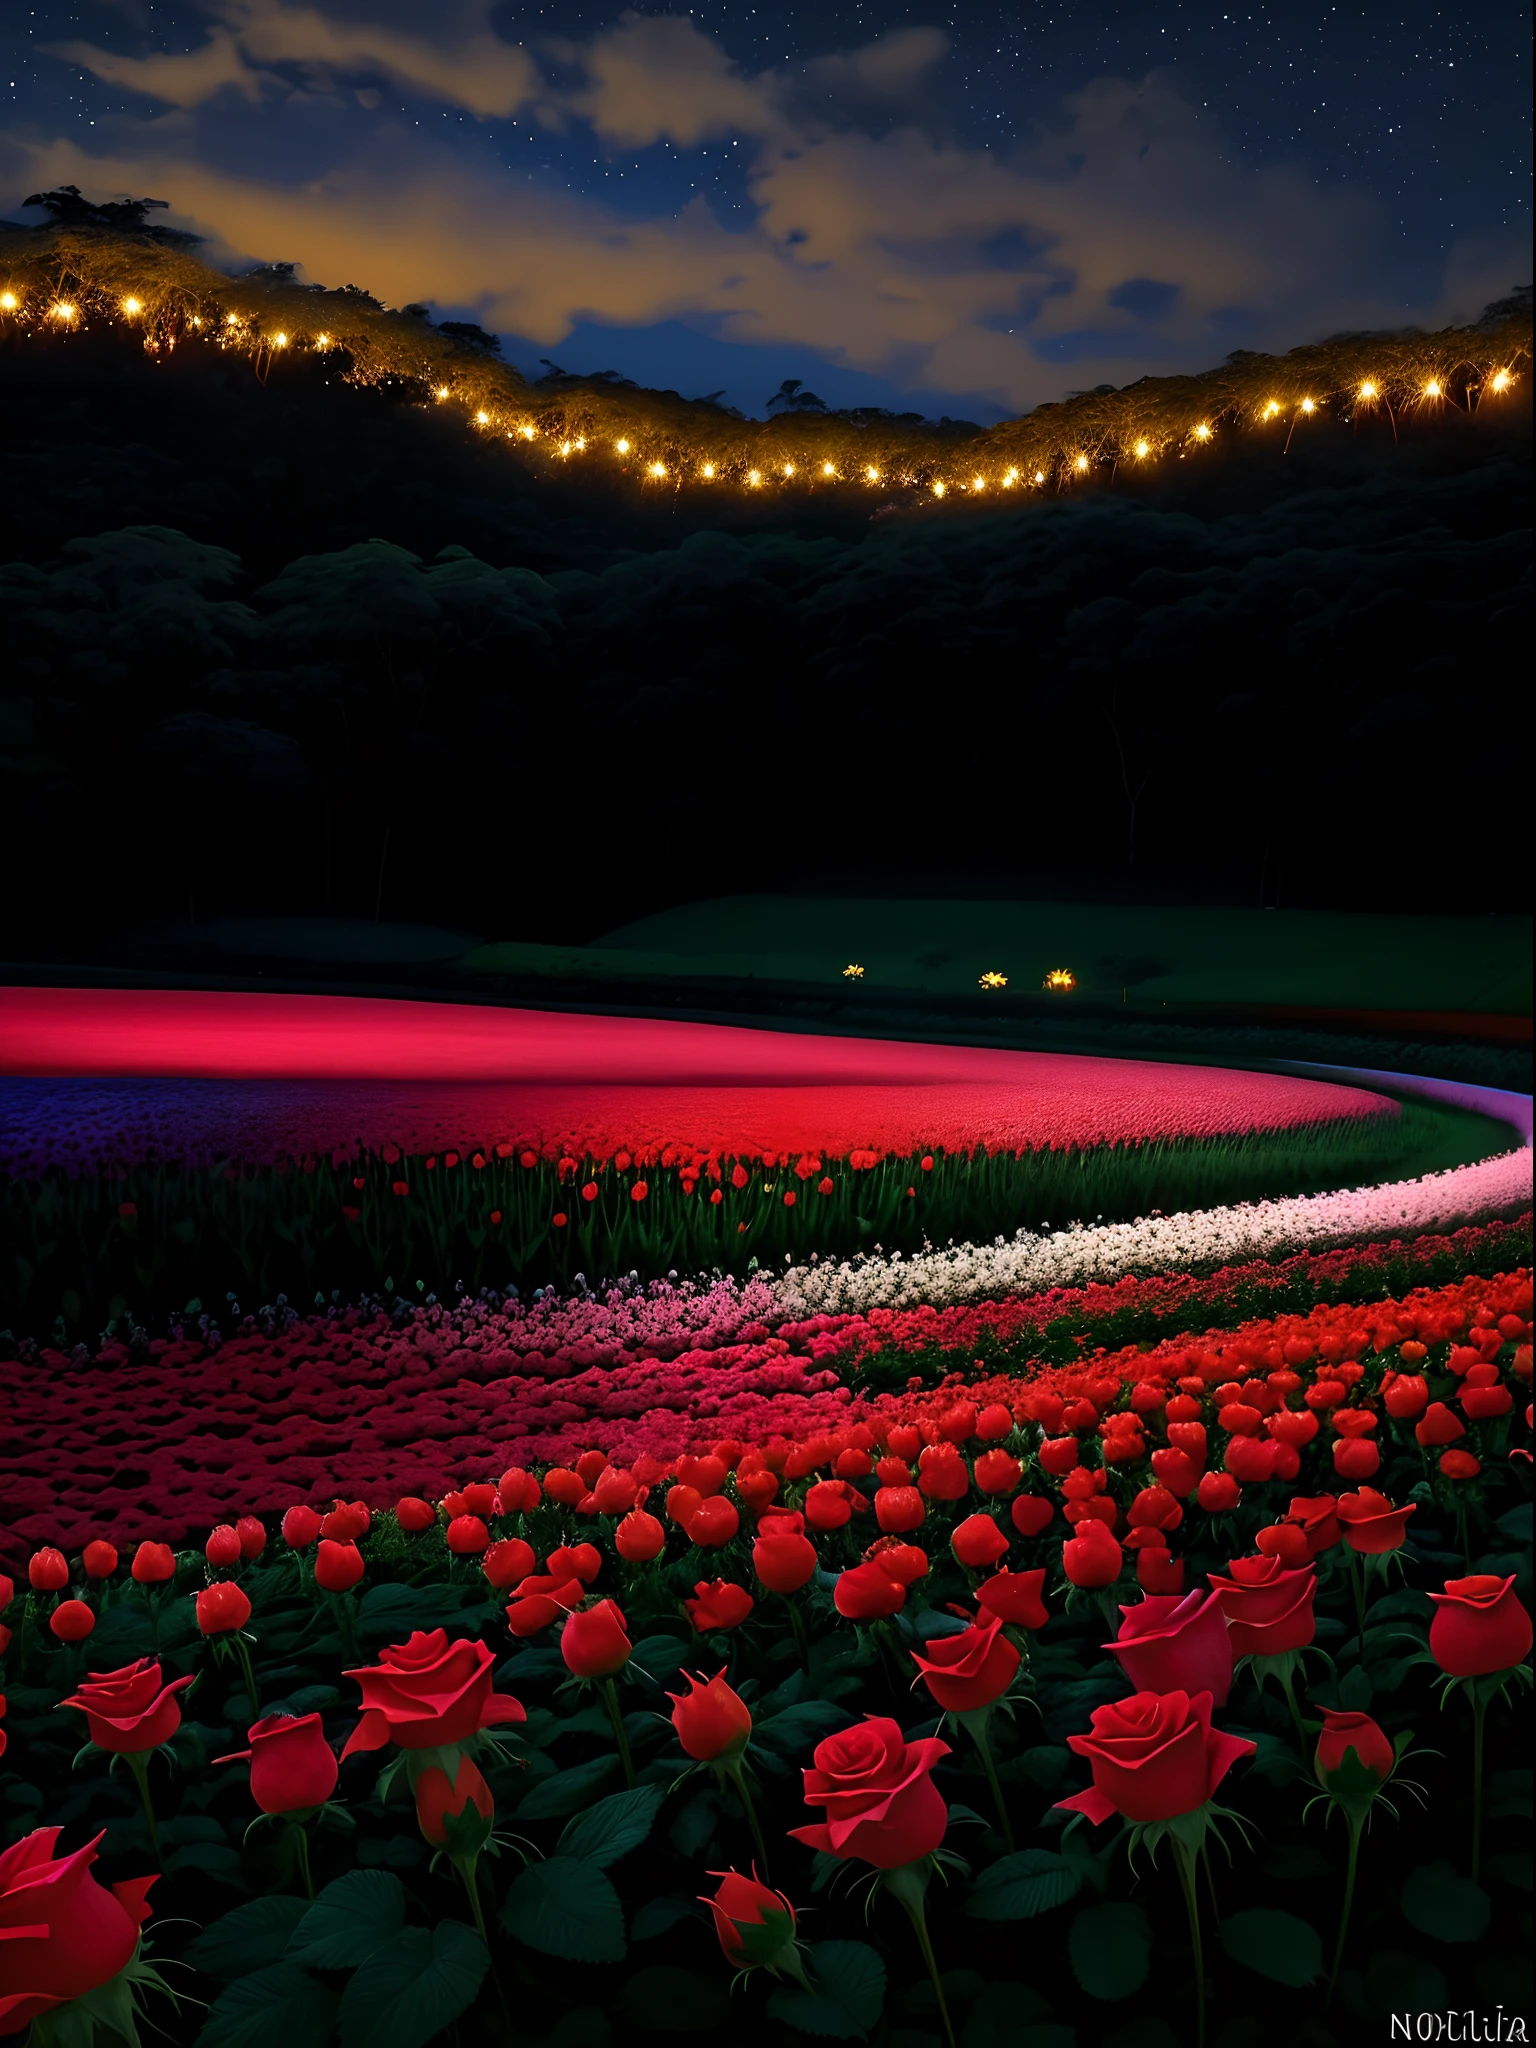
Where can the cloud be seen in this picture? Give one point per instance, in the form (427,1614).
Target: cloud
(659,78)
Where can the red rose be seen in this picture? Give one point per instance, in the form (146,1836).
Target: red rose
(1285,1541)
(575,1560)
(756,1926)
(1030,1514)
(997,1472)
(1158,1570)
(867,1592)
(829,1504)
(48,1571)
(713,1522)
(153,1564)
(969,1671)
(712,1721)
(1459,1465)
(1014,1597)
(1356,1458)
(941,1473)
(1168,1644)
(899,1510)
(1358,1732)
(718,1604)
(1404,1395)
(61,1933)
(293,1767)
(129,1710)
(99,1559)
(428,1693)
(639,1537)
(1268,1609)
(1217,1493)
(508,1562)
(347,1521)
(300,1528)
(1318,1521)
(338,1566)
(1154,1757)
(253,1536)
(222,1607)
(72,1621)
(784,1563)
(1370,1523)
(223,1547)
(978,1543)
(881,1805)
(903,1562)
(467,1536)
(1479,1626)
(1092,1558)
(594,1642)
(459,1816)
(1438,1426)
(541,1601)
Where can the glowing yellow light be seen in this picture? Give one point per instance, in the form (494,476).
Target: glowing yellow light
(754,477)
(1501,378)
(528,433)
(827,469)
(441,393)
(938,490)
(322,341)
(852,973)
(565,447)
(1202,432)
(1432,388)
(658,469)
(231,319)
(132,306)
(708,471)
(1061,978)
(8,302)
(1142,450)
(1307,405)
(580,444)
(622,447)
(1368,389)
(63,311)
(1010,478)
(1080,464)
(197,319)
(1271,409)
(978,483)
(482,419)
(789,469)
(1039,476)
(279,341)
(992,979)
(872,476)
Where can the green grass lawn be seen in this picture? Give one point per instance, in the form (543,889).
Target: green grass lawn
(1151,954)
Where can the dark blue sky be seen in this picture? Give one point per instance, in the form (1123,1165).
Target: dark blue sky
(962,209)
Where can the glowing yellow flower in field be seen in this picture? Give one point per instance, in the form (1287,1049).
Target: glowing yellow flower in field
(992,979)
(1061,977)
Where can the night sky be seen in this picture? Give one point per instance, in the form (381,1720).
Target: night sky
(963,209)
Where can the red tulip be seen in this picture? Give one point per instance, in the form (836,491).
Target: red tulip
(1014,1597)
(1092,1558)
(300,1528)
(866,1592)
(338,1566)
(223,1548)
(414,1515)
(71,1621)
(713,1522)
(639,1537)
(508,1562)
(99,1559)
(252,1532)
(978,1543)
(468,1536)
(784,1563)
(593,1642)
(48,1571)
(222,1607)
(153,1564)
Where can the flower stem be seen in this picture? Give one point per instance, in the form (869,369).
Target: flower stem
(468,1870)
(344,1622)
(243,1650)
(1210,1883)
(739,1780)
(908,1883)
(797,1624)
(977,1723)
(1355,1824)
(611,1692)
(138,1763)
(1479,1713)
(1287,1686)
(303,1845)
(1181,1857)
(1357,1586)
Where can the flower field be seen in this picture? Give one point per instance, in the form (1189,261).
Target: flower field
(793,1732)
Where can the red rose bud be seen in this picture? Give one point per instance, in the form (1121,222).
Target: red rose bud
(532,1612)
(467,1536)
(942,1474)
(593,1642)
(899,1510)
(639,1537)
(683,1503)
(784,1564)
(969,1671)
(222,1607)
(867,1593)
(1218,1493)
(882,1806)
(713,1522)
(1370,1523)
(153,1564)
(1154,1757)
(459,1816)
(293,1767)
(978,1543)
(756,1926)
(713,1723)
(130,1710)
(47,1571)
(415,1516)
(1438,1426)
(338,1566)
(1030,1514)
(1459,1465)
(347,1521)
(1268,1609)
(1356,1458)
(903,1562)
(1480,1626)
(508,1563)
(1015,1598)
(1092,1559)
(1405,1394)
(576,1561)
(997,1472)
(519,1491)
(300,1528)
(1177,1471)
(1168,1644)
(1485,1404)
(252,1532)
(1357,1733)
(1158,1570)
(99,1559)
(718,1604)
(223,1548)
(71,1621)
(993,1422)
(829,1504)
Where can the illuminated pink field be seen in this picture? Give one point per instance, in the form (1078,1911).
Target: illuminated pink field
(431,1075)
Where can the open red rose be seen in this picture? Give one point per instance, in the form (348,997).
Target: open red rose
(968,1671)
(1318,1520)
(428,1693)
(1154,1756)
(1343,1732)
(595,1641)
(881,1804)
(756,1926)
(1480,1625)
(712,1720)
(1268,1609)
(1370,1523)
(1172,1644)
(718,1604)
(61,1933)
(130,1710)
(293,1767)
(1014,1597)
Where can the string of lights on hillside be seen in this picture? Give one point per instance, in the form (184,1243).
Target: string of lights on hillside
(662,442)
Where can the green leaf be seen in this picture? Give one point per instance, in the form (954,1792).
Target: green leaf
(386,1613)
(565,1908)
(1355,1690)
(659,1657)
(350,1921)
(664,2000)
(1439,1902)
(849,1994)
(612,1827)
(280,2006)
(1277,1945)
(1511,1867)
(247,1939)
(797,1728)
(657,1915)
(567,1791)
(695,1824)
(1018,1887)
(1110,1949)
(412,1990)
